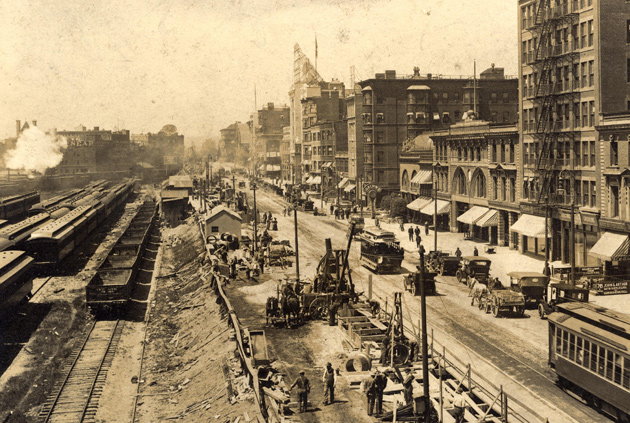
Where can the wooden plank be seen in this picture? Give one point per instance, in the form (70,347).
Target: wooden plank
(366,332)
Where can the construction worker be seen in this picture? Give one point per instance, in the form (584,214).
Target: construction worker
(459,404)
(369,388)
(330,381)
(380,382)
(408,386)
(304,387)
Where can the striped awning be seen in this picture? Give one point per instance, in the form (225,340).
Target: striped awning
(418,204)
(327,164)
(422,177)
(531,226)
(343,183)
(473,214)
(610,246)
(491,218)
(349,188)
(443,207)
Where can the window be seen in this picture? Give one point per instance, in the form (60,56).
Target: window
(380,176)
(214,229)
(591,73)
(503,189)
(583,35)
(590,33)
(614,153)
(456,97)
(478,150)
(445,98)
(465,154)
(613,192)
(457,115)
(511,153)
(592,151)
(584,80)
(445,118)
(380,118)
(593,194)
(493,151)
(584,114)
(576,114)
(578,193)
(380,137)
(494,187)
(628,71)
(506,117)
(576,76)
(628,31)
(502,149)
(411,98)
(512,190)
(585,197)
(379,156)
(493,97)
(576,37)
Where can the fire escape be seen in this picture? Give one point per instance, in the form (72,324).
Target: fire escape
(553,96)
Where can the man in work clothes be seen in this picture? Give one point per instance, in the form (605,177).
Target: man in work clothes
(330,381)
(459,404)
(410,231)
(380,382)
(370,391)
(417,231)
(408,386)
(304,387)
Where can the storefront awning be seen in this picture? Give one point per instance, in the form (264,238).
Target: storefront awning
(422,177)
(491,218)
(343,183)
(443,207)
(306,162)
(473,214)
(610,246)
(349,188)
(315,180)
(531,226)
(273,168)
(418,204)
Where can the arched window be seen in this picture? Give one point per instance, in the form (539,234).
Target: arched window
(405,179)
(459,182)
(479,184)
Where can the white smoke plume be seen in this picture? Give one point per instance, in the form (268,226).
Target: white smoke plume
(35,150)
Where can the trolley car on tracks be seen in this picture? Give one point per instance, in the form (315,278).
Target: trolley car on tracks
(380,251)
(589,350)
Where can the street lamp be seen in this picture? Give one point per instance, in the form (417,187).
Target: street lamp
(295,193)
(253,188)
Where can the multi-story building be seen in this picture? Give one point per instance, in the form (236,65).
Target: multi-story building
(271,121)
(285,155)
(323,108)
(235,141)
(165,150)
(96,150)
(355,144)
(399,108)
(573,67)
(475,171)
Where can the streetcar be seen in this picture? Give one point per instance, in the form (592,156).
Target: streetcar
(380,251)
(589,350)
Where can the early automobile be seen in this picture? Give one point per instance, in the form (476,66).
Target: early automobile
(412,282)
(531,284)
(473,266)
(559,293)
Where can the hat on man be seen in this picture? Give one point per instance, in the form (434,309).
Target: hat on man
(301,372)
(408,370)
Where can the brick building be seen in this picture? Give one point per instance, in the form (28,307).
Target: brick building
(269,132)
(399,108)
(355,145)
(574,66)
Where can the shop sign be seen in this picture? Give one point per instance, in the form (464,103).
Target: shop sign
(532,209)
(589,219)
(579,270)
(615,225)
(608,287)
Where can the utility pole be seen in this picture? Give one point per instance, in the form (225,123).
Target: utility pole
(361,194)
(234,190)
(425,352)
(572,243)
(297,248)
(435,218)
(546,270)
(253,187)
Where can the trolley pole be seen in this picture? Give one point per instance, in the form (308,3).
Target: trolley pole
(297,248)
(233,186)
(253,186)
(425,352)
(435,222)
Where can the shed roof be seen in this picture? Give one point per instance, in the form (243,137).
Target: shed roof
(216,211)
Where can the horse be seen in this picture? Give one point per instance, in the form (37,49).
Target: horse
(478,290)
(272,308)
(291,309)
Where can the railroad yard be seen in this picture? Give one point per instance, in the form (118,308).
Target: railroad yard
(143,322)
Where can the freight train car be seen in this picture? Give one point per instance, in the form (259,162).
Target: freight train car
(589,350)
(16,279)
(111,286)
(16,207)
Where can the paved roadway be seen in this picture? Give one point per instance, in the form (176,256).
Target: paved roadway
(509,352)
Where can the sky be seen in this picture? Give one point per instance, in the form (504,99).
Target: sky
(139,65)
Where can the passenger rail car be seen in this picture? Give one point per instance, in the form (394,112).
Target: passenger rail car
(15,235)
(53,202)
(111,286)
(16,207)
(380,252)
(589,350)
(16,280)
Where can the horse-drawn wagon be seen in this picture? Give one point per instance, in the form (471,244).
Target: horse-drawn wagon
(496,299)
(473,266)
(412,282)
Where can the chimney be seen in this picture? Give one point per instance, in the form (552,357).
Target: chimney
(34,123)
(18,126)
(96,128)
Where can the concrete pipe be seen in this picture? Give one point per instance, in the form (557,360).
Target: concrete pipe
(359,362)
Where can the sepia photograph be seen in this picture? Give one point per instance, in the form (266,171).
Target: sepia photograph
(315,211)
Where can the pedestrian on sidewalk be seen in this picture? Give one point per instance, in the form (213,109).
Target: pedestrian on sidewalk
(475,251)
(402,226)
(426,227)
(330,381)
(418,240)
(458,252)
(369,388)
(336,214)
(304,387)
(347,213)
(410,231)
(417,231)
(332,209)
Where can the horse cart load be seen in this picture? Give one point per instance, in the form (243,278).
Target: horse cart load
(442,262)
(496,299)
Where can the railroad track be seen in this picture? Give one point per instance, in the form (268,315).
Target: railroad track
(75,398)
